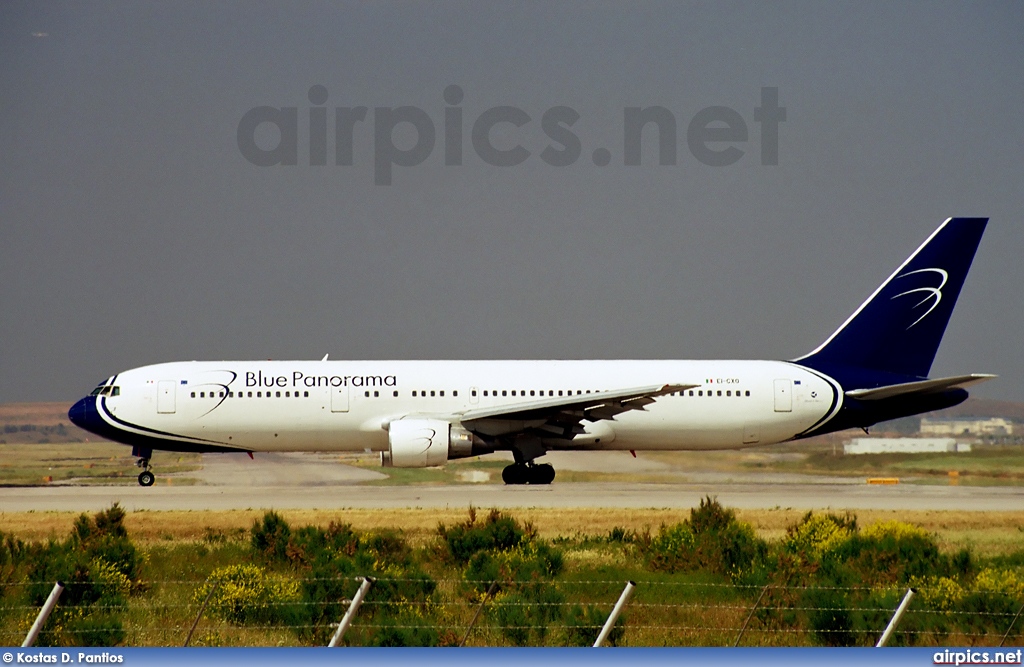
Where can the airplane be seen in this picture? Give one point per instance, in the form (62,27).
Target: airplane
(424,413)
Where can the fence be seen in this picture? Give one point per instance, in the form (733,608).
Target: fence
(662,612)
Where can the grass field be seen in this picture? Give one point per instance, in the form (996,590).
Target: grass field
(36,464)
(985,533)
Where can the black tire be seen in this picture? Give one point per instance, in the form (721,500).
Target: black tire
(542,474)
(514,474)
(146,478)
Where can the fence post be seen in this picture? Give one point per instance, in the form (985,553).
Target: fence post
(750,616)
(623,599)
(1010,627)
(202,608)
(44,613)
(487,596)
(896,618)
(353,607)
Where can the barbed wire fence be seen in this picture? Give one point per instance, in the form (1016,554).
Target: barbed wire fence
(661,613)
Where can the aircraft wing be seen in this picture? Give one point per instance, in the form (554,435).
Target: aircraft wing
(922,387)
(562,416)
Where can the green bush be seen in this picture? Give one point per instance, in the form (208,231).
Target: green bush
(498,532)
(711,539)
(270,537)
(829,617)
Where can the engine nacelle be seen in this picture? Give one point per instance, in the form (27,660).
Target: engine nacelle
(421,443)
(416,443)
(424,443)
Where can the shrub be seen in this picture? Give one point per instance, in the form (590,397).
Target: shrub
(245,594)
(498,532)
(829,617)
(891,553)
(270,536)
(712,539)
(819,534)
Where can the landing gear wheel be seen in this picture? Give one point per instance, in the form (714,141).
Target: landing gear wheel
(515,474)
(519,473)
(542,474)
(146,478)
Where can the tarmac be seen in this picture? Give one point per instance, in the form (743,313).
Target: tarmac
(309,481)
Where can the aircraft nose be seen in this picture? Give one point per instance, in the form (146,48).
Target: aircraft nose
(83,413)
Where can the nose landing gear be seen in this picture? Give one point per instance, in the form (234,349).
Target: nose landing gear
(146,478)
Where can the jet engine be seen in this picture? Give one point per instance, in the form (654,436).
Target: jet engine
(421,443)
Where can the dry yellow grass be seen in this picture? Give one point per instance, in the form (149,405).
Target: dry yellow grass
(987,533)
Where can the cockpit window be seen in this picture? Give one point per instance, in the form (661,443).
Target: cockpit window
(106,391)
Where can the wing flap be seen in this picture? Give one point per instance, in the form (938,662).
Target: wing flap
(922,387)
(562,416)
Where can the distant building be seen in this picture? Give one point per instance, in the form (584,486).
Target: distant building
(903,446)
(992,426)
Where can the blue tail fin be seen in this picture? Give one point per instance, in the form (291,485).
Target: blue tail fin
(898,329)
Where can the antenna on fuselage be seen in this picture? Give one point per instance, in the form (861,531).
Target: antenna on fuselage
(325,356)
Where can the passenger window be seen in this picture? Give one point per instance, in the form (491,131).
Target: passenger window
(532,392)
(414,393)
(513,392)
(376,394)
(473,393)
(259,394)
(442,393)
(728,393)
(504,392)
(366,394)
(485,392)
(193,394)
(432,392)
(719,392)
(748,392)
(305,394)
(455,392)
(396,394)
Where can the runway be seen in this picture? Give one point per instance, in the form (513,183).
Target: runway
(296,481)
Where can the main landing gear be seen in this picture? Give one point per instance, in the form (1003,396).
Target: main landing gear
(146,478)
(528,473)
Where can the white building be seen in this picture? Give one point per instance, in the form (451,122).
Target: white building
(992,426)
(903,446)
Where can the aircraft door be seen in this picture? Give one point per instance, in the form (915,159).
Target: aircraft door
(783,396)
(474,395)
(339,399)
(165,394)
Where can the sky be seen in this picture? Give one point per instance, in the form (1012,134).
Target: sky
(138,225)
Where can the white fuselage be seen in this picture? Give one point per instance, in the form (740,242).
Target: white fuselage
(347,405)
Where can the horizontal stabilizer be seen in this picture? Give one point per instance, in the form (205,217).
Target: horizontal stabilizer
(923,387)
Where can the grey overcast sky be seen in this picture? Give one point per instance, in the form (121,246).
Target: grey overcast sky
(133,230)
